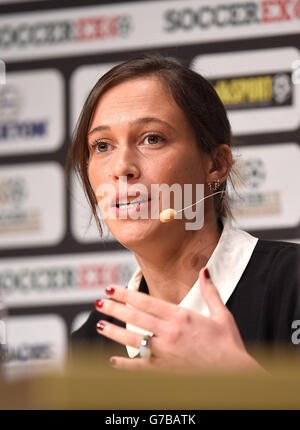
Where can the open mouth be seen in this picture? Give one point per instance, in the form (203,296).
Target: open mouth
(132,204)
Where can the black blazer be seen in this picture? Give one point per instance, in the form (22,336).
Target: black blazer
(264,303)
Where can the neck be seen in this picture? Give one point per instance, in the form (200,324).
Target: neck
(171,266)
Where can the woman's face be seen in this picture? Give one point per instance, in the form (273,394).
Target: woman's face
(141,135)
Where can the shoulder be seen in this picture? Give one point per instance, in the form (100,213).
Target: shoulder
(276,255)
(273,246)
(266,300)
(272,275)
(274,266)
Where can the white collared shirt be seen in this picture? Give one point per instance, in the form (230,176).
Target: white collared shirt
(226,266)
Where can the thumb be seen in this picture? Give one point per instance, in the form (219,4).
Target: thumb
(210,293)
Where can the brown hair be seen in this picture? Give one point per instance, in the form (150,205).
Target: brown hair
(191,91)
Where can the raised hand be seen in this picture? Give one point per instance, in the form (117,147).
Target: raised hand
(183,339)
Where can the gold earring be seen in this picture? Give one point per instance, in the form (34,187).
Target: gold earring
(214,186)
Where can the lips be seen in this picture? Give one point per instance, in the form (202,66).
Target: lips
(131,202)
(131,209)
(122,200)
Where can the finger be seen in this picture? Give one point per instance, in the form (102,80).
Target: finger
(151,305)
(124,336)
(123,363)
(210,293)
(119,334)
(128,314)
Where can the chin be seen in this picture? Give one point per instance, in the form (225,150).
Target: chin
(135,232)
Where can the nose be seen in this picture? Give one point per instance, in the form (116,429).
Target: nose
(125,163)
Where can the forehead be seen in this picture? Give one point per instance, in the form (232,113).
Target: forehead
(136,98)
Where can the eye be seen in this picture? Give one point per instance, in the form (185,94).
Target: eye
(100,146)
(153,139)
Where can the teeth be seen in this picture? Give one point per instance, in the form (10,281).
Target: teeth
(133,202)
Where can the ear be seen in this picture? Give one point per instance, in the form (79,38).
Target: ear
(220,164)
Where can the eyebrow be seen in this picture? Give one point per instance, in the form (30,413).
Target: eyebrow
(132,123)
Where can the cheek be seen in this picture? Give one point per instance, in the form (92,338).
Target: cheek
(183,168)
(194,167)
(95,177)
(94,171)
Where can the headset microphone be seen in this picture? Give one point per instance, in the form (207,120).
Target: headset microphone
(169,214)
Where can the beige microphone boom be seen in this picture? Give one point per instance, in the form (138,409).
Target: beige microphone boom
(169,214)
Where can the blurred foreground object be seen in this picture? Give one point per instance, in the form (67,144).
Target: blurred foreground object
(90,383)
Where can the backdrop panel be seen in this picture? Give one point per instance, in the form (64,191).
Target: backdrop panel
(53,266)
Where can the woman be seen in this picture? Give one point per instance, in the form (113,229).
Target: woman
(205,294)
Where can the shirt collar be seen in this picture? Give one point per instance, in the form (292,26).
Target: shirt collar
(226,266)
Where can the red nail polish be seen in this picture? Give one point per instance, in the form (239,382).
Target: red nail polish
(206,273)
(100,325)
(99,304)
(109,290)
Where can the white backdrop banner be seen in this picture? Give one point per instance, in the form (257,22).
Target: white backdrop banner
(67,279)
(32,205)
(126,26)
(267,196)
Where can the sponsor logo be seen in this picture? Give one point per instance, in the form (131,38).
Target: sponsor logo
(265,192)
(254,172)
(23,130)
(10,107)
(34,343)
(73,278)
(231,15)
(257,87)
(260,91)
(255,201)
(121,27)
(13,216)
(12,191)
(65,278)
(31,112)
(31,214)
(51,33)
(26,352)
